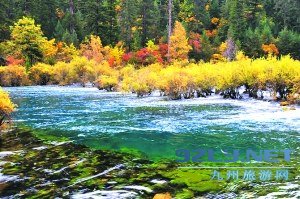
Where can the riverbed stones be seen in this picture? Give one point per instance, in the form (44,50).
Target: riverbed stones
(66,168)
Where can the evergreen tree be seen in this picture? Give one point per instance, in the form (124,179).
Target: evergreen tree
(254,12)
(59,31)
(201,15)
(101,19)
(4,20)
(109,26)
(206,48)
(251,44)
(289,43)
(128,21)
(70,38)
(288,14)
(149,12)
(236,20)
(162,19)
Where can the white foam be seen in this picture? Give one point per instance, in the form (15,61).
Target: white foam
(40,148)
(156,181)
(120,194)
(139,188)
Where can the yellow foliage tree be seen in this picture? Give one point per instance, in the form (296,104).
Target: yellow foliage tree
(179,47)
(6,106)
(49,49)
(66,53)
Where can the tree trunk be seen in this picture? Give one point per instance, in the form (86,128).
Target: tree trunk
(72,8)
(169,27)
(2,121)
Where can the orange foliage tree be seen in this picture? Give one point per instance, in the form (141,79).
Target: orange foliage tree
(270,49)
(93,49)
(179,47)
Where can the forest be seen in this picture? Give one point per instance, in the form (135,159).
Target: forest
(256,27)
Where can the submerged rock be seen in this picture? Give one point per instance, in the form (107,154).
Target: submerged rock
(31,168)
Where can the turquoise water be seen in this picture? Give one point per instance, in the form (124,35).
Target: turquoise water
(155,125)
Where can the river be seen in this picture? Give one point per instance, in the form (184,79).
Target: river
(155,125)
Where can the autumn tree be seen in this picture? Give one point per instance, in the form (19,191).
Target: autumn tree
(93,49)
(179,47)
(27,39)
(6,106)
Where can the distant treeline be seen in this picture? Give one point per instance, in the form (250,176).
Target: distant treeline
(249,23)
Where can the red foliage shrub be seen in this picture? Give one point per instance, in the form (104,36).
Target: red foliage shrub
(12,61)
(194,41)
(163,50)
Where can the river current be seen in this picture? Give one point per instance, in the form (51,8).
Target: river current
(155,125)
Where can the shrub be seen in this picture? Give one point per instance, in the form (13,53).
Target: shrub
(278,75)
(107,78)
(145,81)
(41,74)
(13,76)
(108,83)
(203,79)
(229,79)
(294,97)
(183,79)
(62,73)
(81,70)
(173,82)
(142,81)
(102,69)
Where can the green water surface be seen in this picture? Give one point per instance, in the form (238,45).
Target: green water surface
(154,125)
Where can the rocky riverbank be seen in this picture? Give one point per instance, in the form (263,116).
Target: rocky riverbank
(34,168)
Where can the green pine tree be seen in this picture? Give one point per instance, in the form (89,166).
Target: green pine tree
(59,31)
